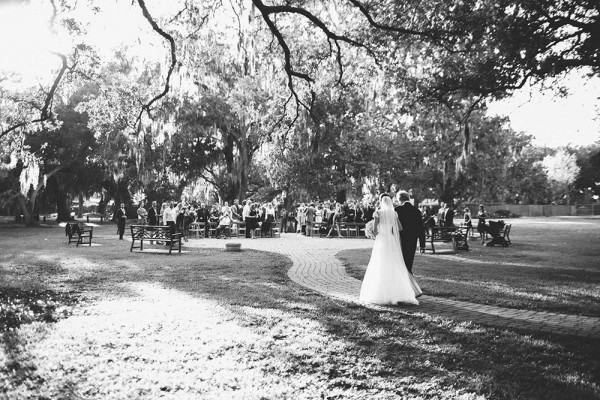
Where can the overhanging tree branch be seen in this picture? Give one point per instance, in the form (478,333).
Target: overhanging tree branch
(146,107)
(46,110)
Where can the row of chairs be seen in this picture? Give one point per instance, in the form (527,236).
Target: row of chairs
(346,229)
(198,229)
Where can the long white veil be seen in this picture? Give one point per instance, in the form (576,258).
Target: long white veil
(388,216)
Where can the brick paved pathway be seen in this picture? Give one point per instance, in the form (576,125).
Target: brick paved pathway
(316,267)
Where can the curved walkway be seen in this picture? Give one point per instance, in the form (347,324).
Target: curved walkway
(316,267)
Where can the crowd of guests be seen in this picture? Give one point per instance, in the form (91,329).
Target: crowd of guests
(181,215)
(299,218)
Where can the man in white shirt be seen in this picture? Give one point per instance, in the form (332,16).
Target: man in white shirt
(224,228)
(169,216)
(246,216)
(236,211)
(225,208)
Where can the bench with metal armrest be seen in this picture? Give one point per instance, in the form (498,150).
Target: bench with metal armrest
(154,233)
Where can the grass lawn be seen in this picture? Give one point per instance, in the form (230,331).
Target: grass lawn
(103,323)
(552,265)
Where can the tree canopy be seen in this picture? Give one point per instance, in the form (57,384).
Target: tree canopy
(255,97)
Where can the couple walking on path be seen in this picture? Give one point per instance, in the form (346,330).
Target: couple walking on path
(389,278)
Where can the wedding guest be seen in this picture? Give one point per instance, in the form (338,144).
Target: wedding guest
(292,222)
(481,217)
(152,217)
(301,216)
(441,216)
(169,217)
(283,215)
(267,220)
(428,219)
(121,217)
(162,213)
(142,214)
(335,222)
(467,221)
(182,220)
(368,213)
(203,217)
(215,213)
(224,227)
(311,212)
(319,214)
(152,214)
(246,215)
(236,211)
(351,212)
(252,222)
(360,213)
(449,215)
(225,208)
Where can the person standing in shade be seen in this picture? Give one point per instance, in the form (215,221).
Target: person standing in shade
(311,213)
(142,214)
(152,214)
(481,217)
(252,223)
(468,221)
(152,217)
(334,220)
(203,218)
(121,218)
(236,211)
(441,215)
(169,217)
(247,220)
(449,216)
(412,229)
(283,216)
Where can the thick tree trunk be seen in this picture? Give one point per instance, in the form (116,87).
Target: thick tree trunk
(237,167)
(104,199)
(62,207)
(26,211)
(80,210)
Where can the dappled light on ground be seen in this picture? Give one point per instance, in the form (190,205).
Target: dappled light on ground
(162,341)
(214,324)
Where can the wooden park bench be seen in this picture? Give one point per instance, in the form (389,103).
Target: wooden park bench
(79,233)
(456,236)
(154,233)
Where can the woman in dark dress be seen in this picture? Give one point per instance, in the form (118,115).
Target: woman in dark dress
(481,216)
(252,223)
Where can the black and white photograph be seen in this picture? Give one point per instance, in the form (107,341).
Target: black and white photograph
(299,199)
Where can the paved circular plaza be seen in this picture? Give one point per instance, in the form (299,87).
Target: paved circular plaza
(316,267)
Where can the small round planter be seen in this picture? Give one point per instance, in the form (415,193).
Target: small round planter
(233,247)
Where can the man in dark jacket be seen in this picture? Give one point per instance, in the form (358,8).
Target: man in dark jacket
(203,217)
(449,217)
(152,213)
(412,229)
(120,217)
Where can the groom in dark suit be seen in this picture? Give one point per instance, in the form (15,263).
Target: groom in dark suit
(412,229)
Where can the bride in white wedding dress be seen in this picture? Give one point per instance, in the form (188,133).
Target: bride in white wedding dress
(387,281)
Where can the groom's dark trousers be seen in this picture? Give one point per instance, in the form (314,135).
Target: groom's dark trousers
(412,229)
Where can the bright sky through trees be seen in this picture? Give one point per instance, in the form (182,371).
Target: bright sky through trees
(27,42)
(553,120)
